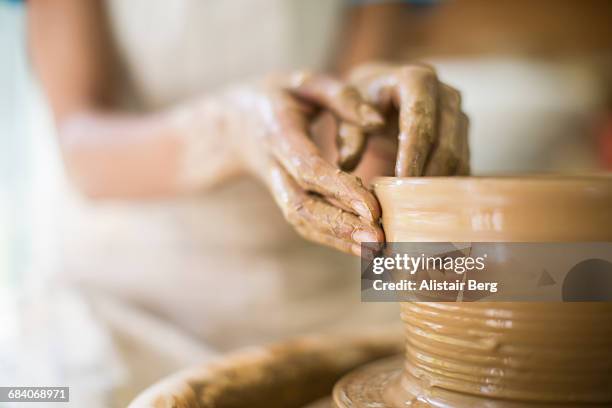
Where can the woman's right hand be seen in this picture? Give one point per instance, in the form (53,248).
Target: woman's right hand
(271,123)
(424,118)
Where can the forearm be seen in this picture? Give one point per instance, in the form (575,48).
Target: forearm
(114,154)
(109,152)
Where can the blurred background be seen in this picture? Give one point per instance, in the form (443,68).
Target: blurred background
(536,80)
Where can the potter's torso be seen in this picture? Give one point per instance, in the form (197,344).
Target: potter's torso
(223,264)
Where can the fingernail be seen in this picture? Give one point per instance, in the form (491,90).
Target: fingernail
(369,116)
(364,236)
(363,210)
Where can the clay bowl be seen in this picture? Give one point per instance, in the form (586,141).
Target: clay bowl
(296,373)
(494,354)
(301,372)
(491,209)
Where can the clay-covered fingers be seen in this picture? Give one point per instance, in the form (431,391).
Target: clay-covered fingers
(432,137)
(339,97)
(463,168)
(417,97)
(376,83)
(353,114)
(295,151)
(318,220)
(314,174)
(366,72)
(351,143)
(448,151)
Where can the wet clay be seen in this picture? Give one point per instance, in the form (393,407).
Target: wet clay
(294,373)
(494,354)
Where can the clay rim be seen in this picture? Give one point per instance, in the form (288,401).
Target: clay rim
(530,208)
(599,178)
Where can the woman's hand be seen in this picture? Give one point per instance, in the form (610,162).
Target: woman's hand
(423,118)
(271,122)
(268,126)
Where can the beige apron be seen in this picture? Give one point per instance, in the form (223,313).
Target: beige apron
(176,279)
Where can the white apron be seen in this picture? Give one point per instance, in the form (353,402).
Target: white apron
(174,280)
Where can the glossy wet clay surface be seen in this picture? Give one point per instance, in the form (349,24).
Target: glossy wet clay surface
(494,354)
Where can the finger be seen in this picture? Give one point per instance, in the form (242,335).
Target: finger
(463,169)
(327,240)
(447,152)
(343,99)
(288,196)
(364,73)
(297,153)
(376,84)
(351,142)
(360,250)
(315,218)
(417,99)
(316,175)
(377,81)
(314,213)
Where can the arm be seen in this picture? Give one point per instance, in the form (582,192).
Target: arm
(108,152)
(260,128)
